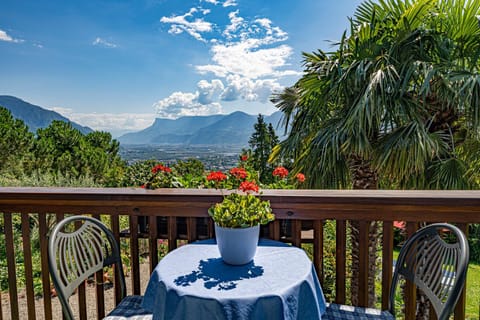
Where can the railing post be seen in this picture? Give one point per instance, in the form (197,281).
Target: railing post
(318,249)
(172,233)
(43,233)
(153,246)
(274,230)
(12,275)
(297,233)
(363,261)
(27,258)
(387,262)
(115,226)
(340,261)
(191,229)
(134,256)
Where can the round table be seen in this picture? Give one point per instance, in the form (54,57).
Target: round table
(193,282)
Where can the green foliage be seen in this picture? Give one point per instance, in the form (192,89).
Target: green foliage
(474,242)
(15,142)
(183,174)
(57,156)
(37,179)
(400,92)
(329,250)
(190,172)
(284,179)
(241,211)
(19,256)
(101,156)
(62,149)
(138,173)
(162,177)
(262,142)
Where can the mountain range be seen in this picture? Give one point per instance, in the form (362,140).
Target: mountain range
(231,129)
(35,117)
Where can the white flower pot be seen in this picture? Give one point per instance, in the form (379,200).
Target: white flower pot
(237,246)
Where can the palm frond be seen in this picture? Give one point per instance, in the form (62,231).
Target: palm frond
(407,150)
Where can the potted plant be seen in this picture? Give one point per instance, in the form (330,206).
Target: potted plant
(239,216)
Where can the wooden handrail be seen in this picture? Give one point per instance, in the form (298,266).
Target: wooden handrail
(178,210)
(456,206)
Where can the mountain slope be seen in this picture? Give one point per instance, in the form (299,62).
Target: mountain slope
(33,116)
(235,128)
(168,130)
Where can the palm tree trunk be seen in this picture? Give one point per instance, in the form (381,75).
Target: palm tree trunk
(363,177)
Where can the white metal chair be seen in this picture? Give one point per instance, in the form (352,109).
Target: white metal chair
(78,247)
(435,266)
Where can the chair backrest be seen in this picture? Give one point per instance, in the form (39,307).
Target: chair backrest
(435,259)
(78,247)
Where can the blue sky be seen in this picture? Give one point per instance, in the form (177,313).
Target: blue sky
(116,65)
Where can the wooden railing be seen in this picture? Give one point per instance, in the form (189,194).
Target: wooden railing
(181,214)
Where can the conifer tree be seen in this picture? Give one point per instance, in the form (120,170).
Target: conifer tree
(15,141)
(262,142)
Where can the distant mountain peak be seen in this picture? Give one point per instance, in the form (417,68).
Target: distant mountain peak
(35,117)
(223,129)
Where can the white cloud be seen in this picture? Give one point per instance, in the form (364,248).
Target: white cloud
(194,28)
(109,121)
(235,23)
(103,43)
(180,104)
(229,3)
(245,59)
(5,37)
(249,90)
(208,92)
(252,50)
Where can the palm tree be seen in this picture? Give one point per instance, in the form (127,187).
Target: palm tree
(393,106)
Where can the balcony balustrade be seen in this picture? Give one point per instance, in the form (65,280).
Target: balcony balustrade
(181,214)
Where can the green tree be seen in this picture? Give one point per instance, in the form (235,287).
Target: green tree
(262,142)
(393,106)
(15,142)
(63,150)
(102,158)
(57,147)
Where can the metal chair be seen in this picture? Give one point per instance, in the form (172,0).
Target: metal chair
(78,247)
(435,266)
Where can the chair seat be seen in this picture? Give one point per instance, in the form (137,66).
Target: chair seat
(129,308)
(339,311)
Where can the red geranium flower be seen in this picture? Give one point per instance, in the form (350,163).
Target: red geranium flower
(247,186)
(216,176)
(244,157)
(280,172)
(400,224)
(160,167)
(300,177)
(239,173)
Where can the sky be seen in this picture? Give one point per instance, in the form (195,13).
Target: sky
(116,65)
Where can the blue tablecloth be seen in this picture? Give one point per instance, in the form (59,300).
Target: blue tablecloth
(192,282)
